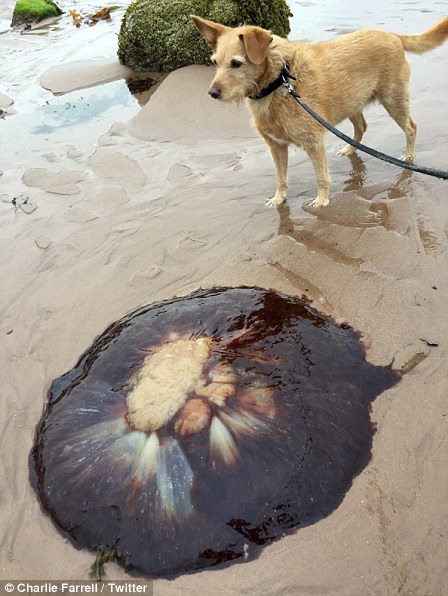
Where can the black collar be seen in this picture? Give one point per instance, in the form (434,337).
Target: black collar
(282,79)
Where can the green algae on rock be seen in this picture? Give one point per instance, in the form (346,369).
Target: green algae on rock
(31,11)
(158,35)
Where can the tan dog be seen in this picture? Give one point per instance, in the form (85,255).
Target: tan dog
(337,78)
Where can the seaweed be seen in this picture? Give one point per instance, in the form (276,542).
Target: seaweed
(158,35)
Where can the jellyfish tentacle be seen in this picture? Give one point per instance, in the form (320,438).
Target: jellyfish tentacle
(143,480)
(83,447)
(174,482)
(149,460)
(125,450)
(108,441)
(244,423)
(222,443)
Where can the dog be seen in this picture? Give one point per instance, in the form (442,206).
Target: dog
(337,78)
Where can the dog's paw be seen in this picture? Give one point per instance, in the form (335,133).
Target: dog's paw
(346,151)
(408,157)
(319,202)
(275,201)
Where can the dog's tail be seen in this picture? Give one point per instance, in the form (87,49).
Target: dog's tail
(434,37)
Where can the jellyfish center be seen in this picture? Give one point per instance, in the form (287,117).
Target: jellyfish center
(162,384)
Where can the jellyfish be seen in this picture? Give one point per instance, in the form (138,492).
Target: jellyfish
(197,430)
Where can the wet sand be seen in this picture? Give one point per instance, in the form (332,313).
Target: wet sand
(170,199)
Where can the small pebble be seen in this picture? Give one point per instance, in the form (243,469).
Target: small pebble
(28,207)
(74,153)
(43,241)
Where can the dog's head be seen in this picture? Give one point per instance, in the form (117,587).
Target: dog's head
(239,55)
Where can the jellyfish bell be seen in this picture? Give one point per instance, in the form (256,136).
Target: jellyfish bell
(197,430)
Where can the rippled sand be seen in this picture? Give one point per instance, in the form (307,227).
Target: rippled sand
(135,205)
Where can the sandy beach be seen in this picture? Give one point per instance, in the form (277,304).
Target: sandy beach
(147,203)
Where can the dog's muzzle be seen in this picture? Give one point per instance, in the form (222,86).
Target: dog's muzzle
(215,92)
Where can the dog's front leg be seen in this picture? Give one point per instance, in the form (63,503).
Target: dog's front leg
(279,153)
(316,153)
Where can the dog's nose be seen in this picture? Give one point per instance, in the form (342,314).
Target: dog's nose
(215,92)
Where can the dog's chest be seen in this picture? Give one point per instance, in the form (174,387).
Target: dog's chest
(270,121)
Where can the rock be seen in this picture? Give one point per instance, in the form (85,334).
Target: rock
(43,241)
(28,207)
(5,106)
(32,11)
(158,35)
(5,101)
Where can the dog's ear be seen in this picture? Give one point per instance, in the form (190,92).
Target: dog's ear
(209,30)
(256,43)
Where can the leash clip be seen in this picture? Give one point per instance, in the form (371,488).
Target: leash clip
(285,75)
(287,88)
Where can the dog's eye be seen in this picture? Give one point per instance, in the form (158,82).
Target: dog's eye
(235,63)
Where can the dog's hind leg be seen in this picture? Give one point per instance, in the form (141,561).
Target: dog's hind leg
(319,160)
(398,109)
(279,153)
(359,128)
(395,98)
